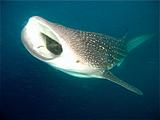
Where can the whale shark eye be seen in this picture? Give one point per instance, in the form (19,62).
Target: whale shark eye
(52,45)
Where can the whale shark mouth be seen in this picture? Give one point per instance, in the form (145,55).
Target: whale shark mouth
(40,39)
(52,45)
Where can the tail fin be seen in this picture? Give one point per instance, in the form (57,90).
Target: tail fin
(137,41)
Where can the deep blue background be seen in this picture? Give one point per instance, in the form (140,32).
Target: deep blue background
(32,90)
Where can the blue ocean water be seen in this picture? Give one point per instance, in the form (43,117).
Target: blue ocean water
(32,90)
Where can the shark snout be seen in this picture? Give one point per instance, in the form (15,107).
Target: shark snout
(40,40)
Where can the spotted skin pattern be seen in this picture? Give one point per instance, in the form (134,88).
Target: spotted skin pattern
(98,50)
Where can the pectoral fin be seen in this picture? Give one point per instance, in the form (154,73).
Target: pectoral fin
(109,76)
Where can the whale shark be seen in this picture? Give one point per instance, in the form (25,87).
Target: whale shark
(78,53)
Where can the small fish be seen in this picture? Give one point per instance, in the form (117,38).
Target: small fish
(78,53)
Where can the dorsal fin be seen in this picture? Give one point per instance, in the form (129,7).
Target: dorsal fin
(109,76)
(124,35)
